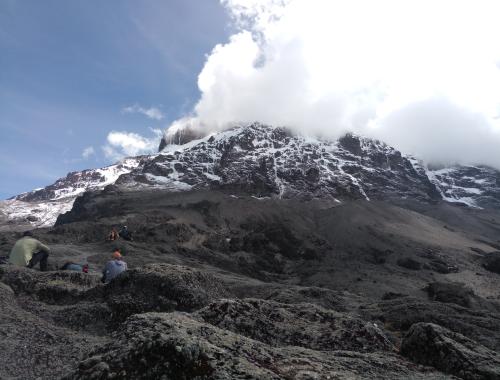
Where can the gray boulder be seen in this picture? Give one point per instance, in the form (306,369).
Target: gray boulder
(453,353)
(399,314)
(161,287)
(491,262)
(451,292)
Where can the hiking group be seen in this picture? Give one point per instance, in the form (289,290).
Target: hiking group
(124,233)
(28,252)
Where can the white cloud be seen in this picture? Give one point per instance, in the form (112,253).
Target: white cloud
(152,112)
(420,74)
(87,152)
(125,144)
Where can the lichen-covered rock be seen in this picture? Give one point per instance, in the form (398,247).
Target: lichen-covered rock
(430,344)
(6,293)
(33,347)
(175,346)
(304,325)
(84,317)
(56,287)
(400,314)
(162,287)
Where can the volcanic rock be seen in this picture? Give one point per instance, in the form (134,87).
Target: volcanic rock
(32,347)
(453,353)
(161,287)
(303,325)
(451,293)
(59,287)
(492,262)
(400,314)
(175,346)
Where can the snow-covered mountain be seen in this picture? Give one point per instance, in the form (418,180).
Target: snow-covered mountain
(268,161)
(265,161)
(41,207)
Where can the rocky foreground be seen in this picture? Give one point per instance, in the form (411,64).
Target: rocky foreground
(233,287)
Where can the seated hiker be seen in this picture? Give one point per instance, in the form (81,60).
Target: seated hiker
(27,252)
(113,235)
(114,267)
(125,233)
(76,267)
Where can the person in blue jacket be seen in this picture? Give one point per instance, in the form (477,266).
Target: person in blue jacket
(114,267)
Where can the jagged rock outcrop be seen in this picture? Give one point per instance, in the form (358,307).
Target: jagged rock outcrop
(430,344)
(161,287)
(176,346)
(304,325)
(179,136)
(399,314)
(267,161)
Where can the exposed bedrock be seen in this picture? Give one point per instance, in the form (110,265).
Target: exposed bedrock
(161,287)
(453,353)
(304,325)
(176,346)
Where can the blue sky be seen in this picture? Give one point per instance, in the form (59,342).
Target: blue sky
(69,70)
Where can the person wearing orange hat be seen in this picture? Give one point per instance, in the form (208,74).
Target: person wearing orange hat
(113,267)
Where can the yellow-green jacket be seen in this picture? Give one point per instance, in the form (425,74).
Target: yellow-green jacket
(23,250)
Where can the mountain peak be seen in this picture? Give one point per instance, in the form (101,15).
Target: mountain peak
(266,161)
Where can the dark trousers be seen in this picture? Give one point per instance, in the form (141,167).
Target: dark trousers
(41,257)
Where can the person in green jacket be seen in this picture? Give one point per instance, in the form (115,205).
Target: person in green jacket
(27,252)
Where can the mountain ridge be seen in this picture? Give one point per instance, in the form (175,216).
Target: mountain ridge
(266,161)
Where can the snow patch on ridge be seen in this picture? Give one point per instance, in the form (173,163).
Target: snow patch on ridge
(445,182)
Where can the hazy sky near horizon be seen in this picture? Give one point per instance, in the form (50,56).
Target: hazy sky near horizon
(73,72)
(86,82)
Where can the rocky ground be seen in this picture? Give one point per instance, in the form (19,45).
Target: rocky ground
(228,286)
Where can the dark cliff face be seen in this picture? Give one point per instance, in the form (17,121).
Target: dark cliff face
(180,137)
(266,161)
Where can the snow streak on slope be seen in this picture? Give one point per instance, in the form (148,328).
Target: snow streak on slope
(474,186)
